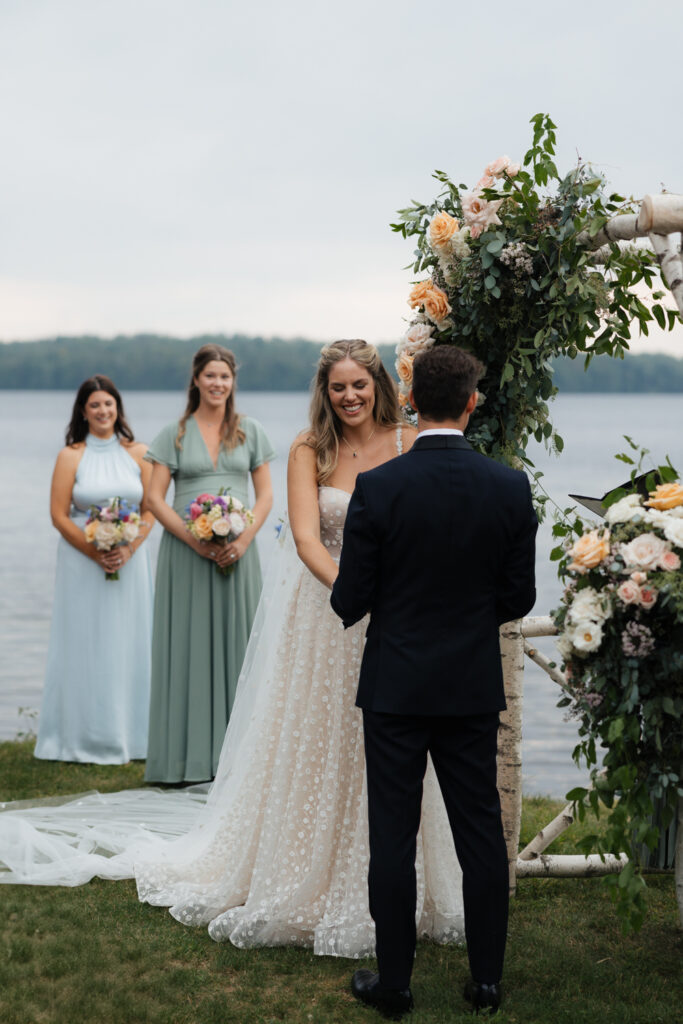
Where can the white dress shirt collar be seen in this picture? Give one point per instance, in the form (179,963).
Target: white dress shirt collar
(440,430)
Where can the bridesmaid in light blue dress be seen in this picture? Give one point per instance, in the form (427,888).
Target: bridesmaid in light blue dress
(96,695)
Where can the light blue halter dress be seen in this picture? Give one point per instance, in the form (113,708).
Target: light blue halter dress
(95,704)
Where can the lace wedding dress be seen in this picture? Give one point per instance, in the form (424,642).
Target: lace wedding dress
(278,855)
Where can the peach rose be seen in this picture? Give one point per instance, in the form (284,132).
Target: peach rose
(589,551)
(648,597)
(419,292)
(436,305)
(403,400)
(203,527)
(441,229)
(629,592)
(404,368)
(670,561)
(89,531)
(666,496)
(497,168)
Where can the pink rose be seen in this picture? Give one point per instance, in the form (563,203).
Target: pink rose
(670,561)
(648,597)
(512,170)
(195,510)
(479,213)
(638,577)
(205,497)
(629,592)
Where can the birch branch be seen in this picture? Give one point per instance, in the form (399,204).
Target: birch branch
(548,667)
(678,861)
(547,835)
(510,740)
(571,866)
(670,265)
(662,214)
(538,625)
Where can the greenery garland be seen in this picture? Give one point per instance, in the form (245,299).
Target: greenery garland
(512,281)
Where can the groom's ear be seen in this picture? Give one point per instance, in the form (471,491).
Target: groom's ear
(411,399)
(472,403)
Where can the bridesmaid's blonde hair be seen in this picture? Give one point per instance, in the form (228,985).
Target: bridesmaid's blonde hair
(232,433)
(325,428)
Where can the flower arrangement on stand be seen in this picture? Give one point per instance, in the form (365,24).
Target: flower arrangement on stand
(513,280)
(620,626)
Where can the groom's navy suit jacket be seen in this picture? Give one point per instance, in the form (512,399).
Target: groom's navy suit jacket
(439,548)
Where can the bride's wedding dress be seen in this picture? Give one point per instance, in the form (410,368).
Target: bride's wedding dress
(278,854)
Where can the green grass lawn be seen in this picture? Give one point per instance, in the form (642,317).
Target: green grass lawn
(94,954)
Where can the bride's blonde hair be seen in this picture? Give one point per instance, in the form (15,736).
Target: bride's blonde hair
(325,429)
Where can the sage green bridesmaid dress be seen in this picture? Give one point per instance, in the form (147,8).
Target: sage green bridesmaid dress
(202,619)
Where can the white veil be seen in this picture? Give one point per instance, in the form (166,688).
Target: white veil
(69,840)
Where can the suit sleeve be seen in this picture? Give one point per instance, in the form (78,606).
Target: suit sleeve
(354,588)
(516,593)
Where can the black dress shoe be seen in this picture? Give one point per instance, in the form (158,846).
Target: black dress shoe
(391,1002)
(483,997)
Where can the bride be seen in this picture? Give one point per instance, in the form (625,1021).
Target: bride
(279,853)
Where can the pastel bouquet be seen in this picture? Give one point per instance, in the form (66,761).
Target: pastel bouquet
(111,526)
(218,518)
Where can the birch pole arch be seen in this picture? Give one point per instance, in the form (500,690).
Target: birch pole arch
(522,268)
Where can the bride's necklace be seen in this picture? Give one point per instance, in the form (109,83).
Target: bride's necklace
(354,451)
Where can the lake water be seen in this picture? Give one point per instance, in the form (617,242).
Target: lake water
(32,426)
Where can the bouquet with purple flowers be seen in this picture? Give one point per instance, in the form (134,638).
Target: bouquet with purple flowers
(111,525)
(218,518)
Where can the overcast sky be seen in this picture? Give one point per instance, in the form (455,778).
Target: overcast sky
(218,166)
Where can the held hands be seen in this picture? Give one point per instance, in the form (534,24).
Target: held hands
(112,561)
(223,555)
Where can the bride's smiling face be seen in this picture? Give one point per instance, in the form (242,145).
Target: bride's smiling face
(351,391)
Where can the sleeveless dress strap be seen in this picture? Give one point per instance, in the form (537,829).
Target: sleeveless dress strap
(399,440)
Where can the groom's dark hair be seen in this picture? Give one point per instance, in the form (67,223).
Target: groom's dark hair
(444,377)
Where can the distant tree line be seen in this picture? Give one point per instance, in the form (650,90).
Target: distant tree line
(150,362)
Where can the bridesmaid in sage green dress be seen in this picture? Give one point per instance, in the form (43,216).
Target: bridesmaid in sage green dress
(202,619)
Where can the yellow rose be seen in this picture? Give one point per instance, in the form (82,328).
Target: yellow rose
(202,525)
(436,305)
(589,551)
(404,368)
(666,496)
(419,292)
(89,531)
(441,230)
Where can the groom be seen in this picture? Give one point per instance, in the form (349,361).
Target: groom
(439,548)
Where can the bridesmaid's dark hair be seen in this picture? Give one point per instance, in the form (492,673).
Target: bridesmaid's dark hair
(78,427)
(232,433)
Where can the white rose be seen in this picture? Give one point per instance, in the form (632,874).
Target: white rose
(107,535)
(645,551)
(130,532)
(564,646)
(418,336)
(221,527)
(236,504)
(585,637)
(588,605)
(236,523)
(626,509)
(673,530)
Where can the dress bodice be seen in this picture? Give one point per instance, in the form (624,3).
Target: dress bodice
(106,471)
(333,504)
